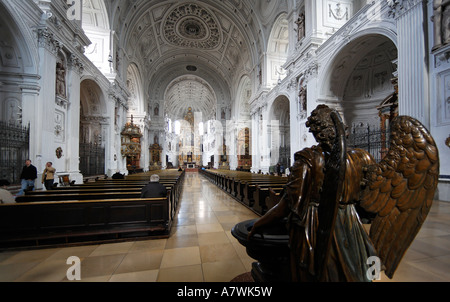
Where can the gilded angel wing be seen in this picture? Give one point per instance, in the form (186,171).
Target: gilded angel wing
(400,190)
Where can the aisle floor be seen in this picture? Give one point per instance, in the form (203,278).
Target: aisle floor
(202,249)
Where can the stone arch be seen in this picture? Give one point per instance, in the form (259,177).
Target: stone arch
(241,108)
(134,84)
(279,131)
(190,91)
(16,51)
(18,65)
(277,50)
(96,25)
(93,128)
(358,78)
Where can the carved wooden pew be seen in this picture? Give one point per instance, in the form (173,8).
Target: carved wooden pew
(102,210)
(65,222)
(252,187)
(260,196)
(273,198)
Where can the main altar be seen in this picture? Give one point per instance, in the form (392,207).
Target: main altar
(190,156)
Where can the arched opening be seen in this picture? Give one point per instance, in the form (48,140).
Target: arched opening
(277,51)
(359,78)
(190,92)
(93,129)
(360,84)
(189,102)
(136,100)
(241,108)
(95,23)
(15,66)
(279,132)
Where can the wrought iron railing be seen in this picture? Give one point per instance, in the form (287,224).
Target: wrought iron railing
(370,138)
(92,159)
(14,150)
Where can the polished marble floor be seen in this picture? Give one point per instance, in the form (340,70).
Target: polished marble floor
(202,249)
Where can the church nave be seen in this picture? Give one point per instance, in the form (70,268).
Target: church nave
(202,249)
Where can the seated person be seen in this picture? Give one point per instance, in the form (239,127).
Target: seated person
(6,196)
(117,175)
(154,189)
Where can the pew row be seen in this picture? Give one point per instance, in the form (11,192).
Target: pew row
(105,210)
(252,190)
(65,222)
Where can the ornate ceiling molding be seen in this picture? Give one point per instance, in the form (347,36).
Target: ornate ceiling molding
(192,26)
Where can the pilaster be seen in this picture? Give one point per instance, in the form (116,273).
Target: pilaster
(75,69)
(412,58)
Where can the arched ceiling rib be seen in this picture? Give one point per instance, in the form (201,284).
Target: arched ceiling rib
(223,39)
(190,92)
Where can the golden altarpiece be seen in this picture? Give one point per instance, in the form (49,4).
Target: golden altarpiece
(131,145)
(244,157)
(155,157)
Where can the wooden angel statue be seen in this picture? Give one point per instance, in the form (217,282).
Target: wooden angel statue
(327,240)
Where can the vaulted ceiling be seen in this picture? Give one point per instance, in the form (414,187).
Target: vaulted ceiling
(180,45)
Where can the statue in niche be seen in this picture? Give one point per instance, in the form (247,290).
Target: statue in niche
(116,116)
(327,241)
(156,110)
(441,20)
(300,26)
(446,23)
(222,115)
(260,123)
(156,139)
(302,99)
(60,80)
(117,61)
(260,75)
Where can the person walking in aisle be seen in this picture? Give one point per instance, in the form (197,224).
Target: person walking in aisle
(28,176)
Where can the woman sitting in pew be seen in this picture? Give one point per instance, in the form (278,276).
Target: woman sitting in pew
(154,189)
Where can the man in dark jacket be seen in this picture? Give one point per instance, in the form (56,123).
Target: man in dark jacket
(28,176)
(154,189)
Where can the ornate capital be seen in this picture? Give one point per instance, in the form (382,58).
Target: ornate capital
(75,63)
(311,70)
(47,40)
(399,7)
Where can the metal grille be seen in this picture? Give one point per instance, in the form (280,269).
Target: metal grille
(14,150)
(285,156)
(373,140)
(92,159)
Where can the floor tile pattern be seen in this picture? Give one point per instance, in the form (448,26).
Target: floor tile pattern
(202,249)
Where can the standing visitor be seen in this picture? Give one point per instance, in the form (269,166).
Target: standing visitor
(28,176)
(48,176)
